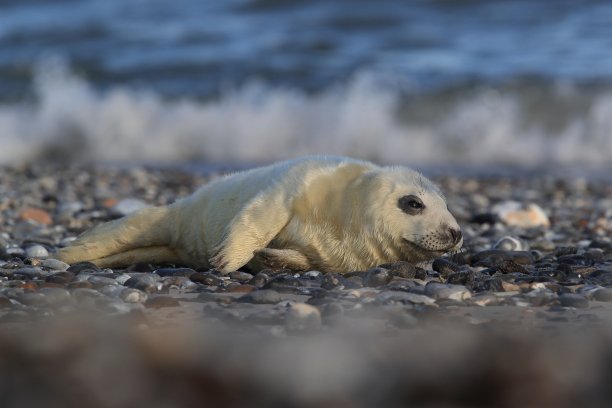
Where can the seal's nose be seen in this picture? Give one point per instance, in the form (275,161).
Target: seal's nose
(455,235)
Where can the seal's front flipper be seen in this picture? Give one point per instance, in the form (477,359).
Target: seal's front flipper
(251,229)
(279,259)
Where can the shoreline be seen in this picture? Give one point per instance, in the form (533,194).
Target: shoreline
(509,288)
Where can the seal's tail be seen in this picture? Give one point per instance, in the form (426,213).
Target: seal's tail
(139,237)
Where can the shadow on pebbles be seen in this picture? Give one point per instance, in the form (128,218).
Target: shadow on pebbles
(520,316)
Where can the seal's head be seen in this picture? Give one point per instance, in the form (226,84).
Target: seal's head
(414,215)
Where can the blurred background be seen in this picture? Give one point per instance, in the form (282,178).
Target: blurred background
(478,83)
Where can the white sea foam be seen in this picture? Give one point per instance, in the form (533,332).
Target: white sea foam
(70,120)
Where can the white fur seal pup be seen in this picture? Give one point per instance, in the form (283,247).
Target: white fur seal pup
(333,214)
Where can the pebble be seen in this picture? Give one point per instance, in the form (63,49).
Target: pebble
(261,296)
(516,214)
(206,278)
(603,295)
(159,302)
(128,206)
(444,266)
(332,280)
(54,264)
(377,277)
(302,317)
(240,276)
(130,295)
(403,297)
(447,291)
(148,283)
(36,215)
(185,272)
(573,300)
(36,251)
(511,243)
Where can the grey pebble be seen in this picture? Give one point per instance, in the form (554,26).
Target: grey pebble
(31,272)
(128,206)
(32,299)
(302,317)
(403,297)
(262,296)
(99,281)
(54,264)
(332,280)
(185,272)
(377,277)
(603,295)
(312,275)
(130,295)
(447,291)
(56,296)
(36,251)
(511,243)
(573,300)
(240,276)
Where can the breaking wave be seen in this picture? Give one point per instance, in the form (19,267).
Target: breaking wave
(68,119)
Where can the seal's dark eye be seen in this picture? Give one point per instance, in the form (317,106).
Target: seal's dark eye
(411,204)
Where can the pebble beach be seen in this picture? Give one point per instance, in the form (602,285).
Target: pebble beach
(521,315)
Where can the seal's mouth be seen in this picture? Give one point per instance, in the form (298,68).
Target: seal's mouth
(420,248)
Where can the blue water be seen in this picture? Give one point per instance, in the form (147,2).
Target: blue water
(518,82)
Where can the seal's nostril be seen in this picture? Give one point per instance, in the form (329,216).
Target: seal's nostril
(455,235)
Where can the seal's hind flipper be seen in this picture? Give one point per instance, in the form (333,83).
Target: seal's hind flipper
(142,229)
(154,255)
(279,259)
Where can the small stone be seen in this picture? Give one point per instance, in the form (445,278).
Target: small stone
(159,302)
(36,251)
(446,291)
(31,272)
(485,300)
(332,280)
(32,299)
(36,215)
(56,296)
(401,269)
(302,317)
(83,267)
(54,264)
(403,297)
(509,286)
(163,272)
(148,283)
(603,295)
(5,302)
(312,275)
(511,243)
(573,300)
(493,285)
(130,295)
(462,278)
(444,267)
(260,280)
(240,276)
(238,288)
(128,206)
(60,277)
(262,296)
(377,277)
(206,278)
(99,281)
(515,214)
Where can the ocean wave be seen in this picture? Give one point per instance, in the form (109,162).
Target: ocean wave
(70,120)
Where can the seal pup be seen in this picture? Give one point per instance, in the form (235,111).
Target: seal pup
(332,214)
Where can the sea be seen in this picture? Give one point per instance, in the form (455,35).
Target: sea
(484,83)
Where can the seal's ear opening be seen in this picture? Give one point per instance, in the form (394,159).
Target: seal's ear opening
(411,204)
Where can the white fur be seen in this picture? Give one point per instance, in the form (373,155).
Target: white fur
(327,213)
